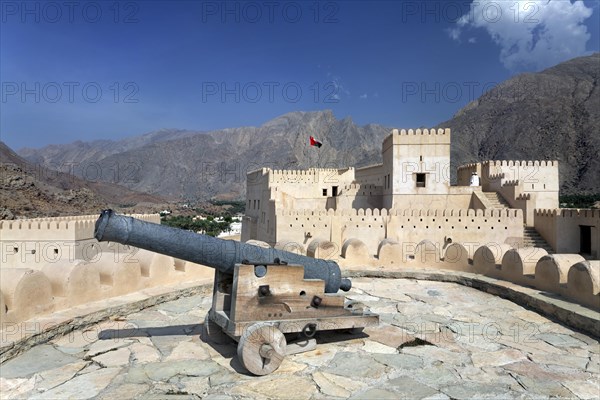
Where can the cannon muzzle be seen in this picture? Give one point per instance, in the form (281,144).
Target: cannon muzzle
(210,251)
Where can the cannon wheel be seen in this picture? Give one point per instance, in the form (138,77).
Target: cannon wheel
(261,348)
(212,333)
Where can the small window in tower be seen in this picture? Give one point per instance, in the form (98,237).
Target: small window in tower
(421,180)
(334,191)
(325,192)
(420,158)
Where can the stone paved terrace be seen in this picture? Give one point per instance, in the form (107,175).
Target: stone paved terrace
(436,340)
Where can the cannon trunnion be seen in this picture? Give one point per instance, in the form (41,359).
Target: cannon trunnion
(262,298)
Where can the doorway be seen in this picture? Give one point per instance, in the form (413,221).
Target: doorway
(585,239)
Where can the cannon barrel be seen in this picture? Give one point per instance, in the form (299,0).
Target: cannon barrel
(210,251)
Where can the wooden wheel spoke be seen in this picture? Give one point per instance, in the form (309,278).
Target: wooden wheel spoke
(261,348)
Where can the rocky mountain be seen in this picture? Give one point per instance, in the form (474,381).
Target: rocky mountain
(550,115)
(553,114)
(201,165)
(32,190)
(63,156)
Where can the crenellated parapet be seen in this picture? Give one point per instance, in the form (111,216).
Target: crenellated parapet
(76,225)
(547,212)
(521,163)
(413,132)
(514,182)
(578,213)
(417,137)
(490,213)
(28,243)
(279,178)
(357,186)
(566,213)
(497,177)
(469,166)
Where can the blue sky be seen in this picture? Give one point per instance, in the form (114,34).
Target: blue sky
(105,70)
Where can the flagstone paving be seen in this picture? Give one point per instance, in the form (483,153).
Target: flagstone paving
(436,340)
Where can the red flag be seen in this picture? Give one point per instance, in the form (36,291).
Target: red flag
(315,142)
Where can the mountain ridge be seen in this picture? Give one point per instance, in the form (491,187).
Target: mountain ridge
(550,115)
(36,191)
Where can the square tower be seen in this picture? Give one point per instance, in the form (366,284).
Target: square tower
(415,162)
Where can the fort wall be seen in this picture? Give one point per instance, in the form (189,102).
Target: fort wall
(420,162)
(527,185)
(36,280)
(407,227)
(567,229)
(355,238)
(28,242)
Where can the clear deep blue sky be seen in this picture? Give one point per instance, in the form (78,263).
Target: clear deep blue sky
(106,70)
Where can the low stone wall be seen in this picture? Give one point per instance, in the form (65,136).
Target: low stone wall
(567,275)
(52,285)
(28,292)
(52,264)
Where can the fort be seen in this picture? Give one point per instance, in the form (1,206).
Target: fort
(408,198)
(398,217)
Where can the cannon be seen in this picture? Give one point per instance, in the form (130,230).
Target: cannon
(270,301)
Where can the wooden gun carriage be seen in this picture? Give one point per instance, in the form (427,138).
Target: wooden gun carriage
(262,298)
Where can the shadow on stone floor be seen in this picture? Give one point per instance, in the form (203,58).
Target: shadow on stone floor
(175,330)
(324,337)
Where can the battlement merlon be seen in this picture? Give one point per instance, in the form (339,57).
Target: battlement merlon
(418,137)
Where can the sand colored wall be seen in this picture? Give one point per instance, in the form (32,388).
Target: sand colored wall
(487,259)
(372,174)
(56,286)
(472,228)
(534,176)
(418,152)
(561,229)
(583,283)
(389,252)
(355,250)
(73,283)
(527,185)
(269,189)
(3,308)
(458,257)
(28,243)
(26,293)
(479,201)
(355,195)
(552,270)
(464,172)
(566,275)
(518,265)
(44,281)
